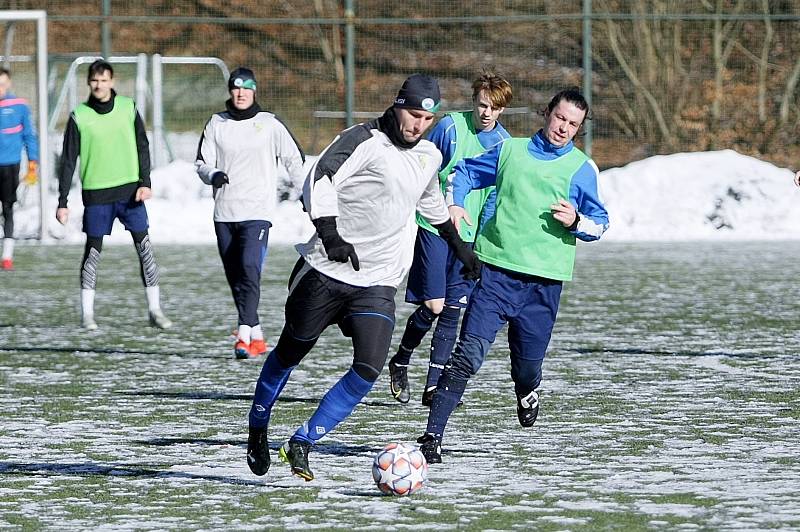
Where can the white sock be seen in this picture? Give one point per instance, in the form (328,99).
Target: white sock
(153,298)
(8,248)
(87,301)
(256,333)
(244,333)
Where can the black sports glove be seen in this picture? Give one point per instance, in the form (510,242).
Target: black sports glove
(218,179)
(335,246)
(472,266)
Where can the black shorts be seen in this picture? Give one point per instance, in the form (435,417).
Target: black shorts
(9,181)
(365,314)
(317,301)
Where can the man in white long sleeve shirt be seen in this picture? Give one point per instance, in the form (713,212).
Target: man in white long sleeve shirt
(240,155)
(361,195)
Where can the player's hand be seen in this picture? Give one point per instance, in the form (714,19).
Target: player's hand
(797,178)
(564,212)
(339,250)
(143,193)
(62,215)
(218,179)
(336,247)
(32,177)
(472,268)
(457,214)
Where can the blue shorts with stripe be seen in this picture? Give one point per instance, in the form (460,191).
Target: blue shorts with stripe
(436,273)
(528,304)
(99,219)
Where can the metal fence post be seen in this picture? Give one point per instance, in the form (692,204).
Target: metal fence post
(158,111)
(587,71)
(141,84)
(350,70)
(45,168)
(105,28)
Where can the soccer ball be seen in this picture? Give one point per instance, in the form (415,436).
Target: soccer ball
(399,469)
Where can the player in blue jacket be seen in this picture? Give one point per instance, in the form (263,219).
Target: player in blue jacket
(435,282)
(547,197)
(16,132)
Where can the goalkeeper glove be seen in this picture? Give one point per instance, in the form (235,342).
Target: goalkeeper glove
(32,177)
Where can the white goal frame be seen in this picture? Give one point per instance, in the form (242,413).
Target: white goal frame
(45,167)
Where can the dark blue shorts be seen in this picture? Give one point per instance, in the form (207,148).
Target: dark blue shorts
(528,304)
(99,219)
(436,273)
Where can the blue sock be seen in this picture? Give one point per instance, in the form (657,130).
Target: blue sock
(417,326)
(448,393)
(442,343)
(269,386)
(337,404)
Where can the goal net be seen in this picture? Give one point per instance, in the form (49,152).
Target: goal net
(23,52)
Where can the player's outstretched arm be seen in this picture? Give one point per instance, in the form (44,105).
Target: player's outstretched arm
(472,266)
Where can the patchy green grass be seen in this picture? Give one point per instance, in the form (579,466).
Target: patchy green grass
(671,399)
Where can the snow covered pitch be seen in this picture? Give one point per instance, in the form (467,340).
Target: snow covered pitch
(670,400)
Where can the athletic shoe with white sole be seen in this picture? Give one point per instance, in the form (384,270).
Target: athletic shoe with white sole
(157,319)
(88,323)
(528,408)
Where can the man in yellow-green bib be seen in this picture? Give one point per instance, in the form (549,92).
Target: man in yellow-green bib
(547,199)
(108,135)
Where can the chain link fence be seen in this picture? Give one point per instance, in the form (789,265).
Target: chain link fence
(666,75)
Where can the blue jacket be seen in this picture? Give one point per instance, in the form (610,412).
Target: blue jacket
(16,129)
(443,135)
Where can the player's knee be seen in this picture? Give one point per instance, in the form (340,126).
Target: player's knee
(290,349)
(468,356)
(367,371)
(435,305)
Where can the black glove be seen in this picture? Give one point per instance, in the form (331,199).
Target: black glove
(472,265)
(335,246)
(218,179)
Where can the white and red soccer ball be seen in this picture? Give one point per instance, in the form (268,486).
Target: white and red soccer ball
(399,469)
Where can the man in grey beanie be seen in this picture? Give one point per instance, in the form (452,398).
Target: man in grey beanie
(244,153)
(361,195)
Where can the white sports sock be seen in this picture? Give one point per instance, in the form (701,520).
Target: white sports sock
(256,333)
(87,301)
(8,248)
(153,298)
(244,333)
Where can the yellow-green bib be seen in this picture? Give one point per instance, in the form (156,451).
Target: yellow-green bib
(108,145)
(467,145)
(523,236)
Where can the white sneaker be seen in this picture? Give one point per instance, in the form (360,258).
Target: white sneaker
(88,323)
(157,319)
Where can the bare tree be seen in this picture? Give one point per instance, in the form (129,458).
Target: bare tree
(331,48)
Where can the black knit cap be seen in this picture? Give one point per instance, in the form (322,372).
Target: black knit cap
(242,78)
(419,92)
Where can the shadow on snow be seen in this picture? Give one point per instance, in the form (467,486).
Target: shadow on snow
(222,396)
(92,469)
